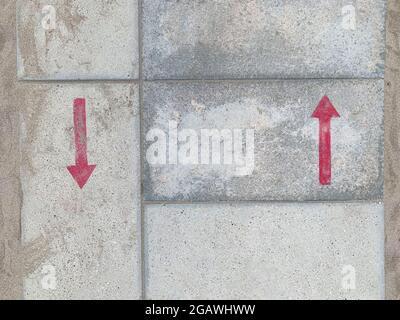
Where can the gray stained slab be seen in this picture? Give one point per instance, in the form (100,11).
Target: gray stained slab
(197,39)
(266,143)
(92,235)
(264,251)
(77,39)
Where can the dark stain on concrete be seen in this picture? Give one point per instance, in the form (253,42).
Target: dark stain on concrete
(2,39)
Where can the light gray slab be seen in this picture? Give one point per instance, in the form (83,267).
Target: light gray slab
(92,234)
(264,251)
(196,39)
(286,139)
(88,39)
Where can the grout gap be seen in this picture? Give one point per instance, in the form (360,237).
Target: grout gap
(142,204)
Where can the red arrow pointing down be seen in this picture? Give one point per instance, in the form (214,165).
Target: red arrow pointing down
(325,111)
(81,171)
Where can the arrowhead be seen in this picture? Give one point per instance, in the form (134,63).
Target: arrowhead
(81,173)
(325,109)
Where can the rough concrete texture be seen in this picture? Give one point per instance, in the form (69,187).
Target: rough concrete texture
(89,246)
(194,39)
(264,251)
(16,259)
(392,152)
(286,154)
(89,39)
(92,234)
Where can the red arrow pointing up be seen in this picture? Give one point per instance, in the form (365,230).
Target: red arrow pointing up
(81,171)
(325,111)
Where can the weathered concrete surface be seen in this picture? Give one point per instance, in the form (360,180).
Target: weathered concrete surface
(392,152)
(286,154)
(15,259)
(264,251)
(263,38)
(89,39)
(10,195)
(92,234)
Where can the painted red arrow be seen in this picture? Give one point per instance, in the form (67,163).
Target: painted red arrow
(81,171)
(325,111)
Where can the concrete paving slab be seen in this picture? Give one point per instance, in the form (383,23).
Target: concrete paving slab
(77,39)
(264,251)
(197,39)
(266,143)
(92,233)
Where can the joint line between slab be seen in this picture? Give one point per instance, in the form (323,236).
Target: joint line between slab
(265,79)
(260,202)
(141,216)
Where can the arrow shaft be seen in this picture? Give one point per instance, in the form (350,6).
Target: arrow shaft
(325,151)
(80,132)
